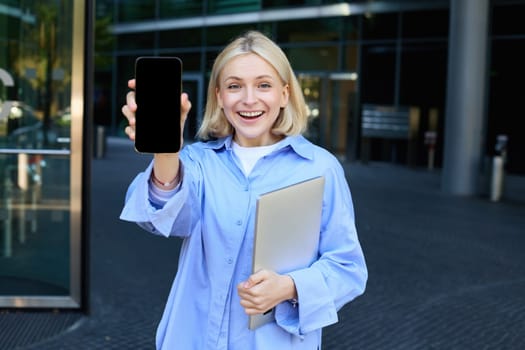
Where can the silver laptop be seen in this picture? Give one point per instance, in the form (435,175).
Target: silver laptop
(287,227)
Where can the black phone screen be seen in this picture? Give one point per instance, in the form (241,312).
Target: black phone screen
(158,86)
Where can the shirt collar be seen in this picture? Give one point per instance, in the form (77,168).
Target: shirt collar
(298,144)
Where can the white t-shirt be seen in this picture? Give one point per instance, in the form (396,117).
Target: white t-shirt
(250,155)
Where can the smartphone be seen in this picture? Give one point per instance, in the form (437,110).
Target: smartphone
(158,86)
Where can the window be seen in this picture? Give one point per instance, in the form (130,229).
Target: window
(190,37)
(317,30)
(378,74)
(425,24)
(507,20)
(180,8)
(313,58)
(135,10)
(380,26)
(232,6)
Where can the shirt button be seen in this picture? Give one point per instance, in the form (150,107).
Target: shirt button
(229,260)
(239,222)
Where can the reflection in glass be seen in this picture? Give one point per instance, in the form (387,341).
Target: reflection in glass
(34,148)
(314,58)
(39,60)
(311,86)
(181,8)
(331,101)
(34,232)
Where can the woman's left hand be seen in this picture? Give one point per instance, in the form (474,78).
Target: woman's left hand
(264,290)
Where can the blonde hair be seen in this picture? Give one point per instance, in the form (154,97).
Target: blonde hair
(292,120)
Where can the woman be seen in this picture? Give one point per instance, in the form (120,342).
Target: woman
(206,194)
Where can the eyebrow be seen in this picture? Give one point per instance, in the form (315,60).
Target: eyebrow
(233,77)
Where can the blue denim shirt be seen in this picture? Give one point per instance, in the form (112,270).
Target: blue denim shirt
(213,211)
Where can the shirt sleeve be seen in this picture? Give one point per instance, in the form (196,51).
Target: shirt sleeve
(340,273)
(173,216)
(158,197)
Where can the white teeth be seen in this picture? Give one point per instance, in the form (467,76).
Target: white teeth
(250,114)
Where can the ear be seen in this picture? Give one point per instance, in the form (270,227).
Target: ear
(285,95)
(218,96)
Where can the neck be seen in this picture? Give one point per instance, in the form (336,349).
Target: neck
(258,142)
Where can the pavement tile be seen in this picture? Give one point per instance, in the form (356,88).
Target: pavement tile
(446,272)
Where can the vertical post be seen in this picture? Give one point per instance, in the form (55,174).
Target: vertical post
(36,192)
(23,184)
(414,119)
(8,240)
(431,137)
(466,80)
(430,142)
(496,186)
(498,168)
(100,144)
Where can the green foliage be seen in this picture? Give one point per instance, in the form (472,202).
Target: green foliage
(104,44)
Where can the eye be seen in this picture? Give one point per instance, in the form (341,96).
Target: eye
(233,86)
(265,85)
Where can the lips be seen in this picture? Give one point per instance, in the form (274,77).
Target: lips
(251,115)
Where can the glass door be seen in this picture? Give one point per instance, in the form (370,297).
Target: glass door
(193,85)
(332,103)
(41,138)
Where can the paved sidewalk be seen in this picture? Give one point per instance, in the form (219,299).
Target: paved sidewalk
(445,272)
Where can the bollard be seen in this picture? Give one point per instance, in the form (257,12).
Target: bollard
(100,142)
(496,187)
(430,142)
(498,171)
(7,218)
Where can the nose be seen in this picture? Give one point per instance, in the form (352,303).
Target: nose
(250,96)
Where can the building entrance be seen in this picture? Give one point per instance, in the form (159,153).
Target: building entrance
(41,153)
(332,102)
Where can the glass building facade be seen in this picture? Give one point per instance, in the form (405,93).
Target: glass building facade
(346,55)
(42,163)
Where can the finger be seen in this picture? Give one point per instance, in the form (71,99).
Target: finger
(247,288)
(131,83)
(256,278)
(255,307)
(130,101)
(242,290)
(250,310)
(251,302)
(185,104)
(130,132)
(130,116)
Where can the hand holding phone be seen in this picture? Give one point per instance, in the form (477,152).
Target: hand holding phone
(158,88)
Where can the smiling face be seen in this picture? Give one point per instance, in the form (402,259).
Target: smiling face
(251,94)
